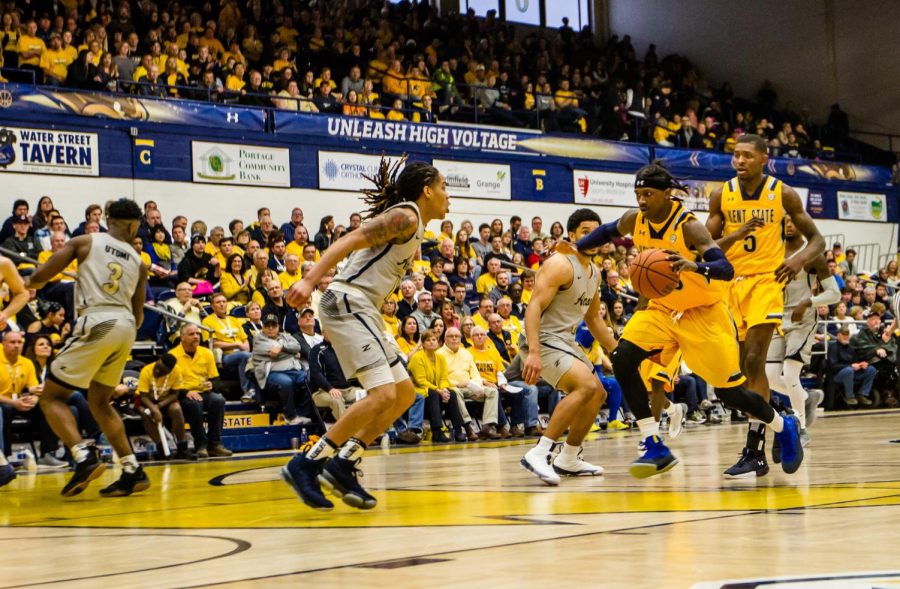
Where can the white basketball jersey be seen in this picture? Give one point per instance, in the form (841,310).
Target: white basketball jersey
(566,311)
(108,276)
(376,272)
(795,292)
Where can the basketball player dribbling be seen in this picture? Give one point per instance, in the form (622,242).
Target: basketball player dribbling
(565,294)
(746,219)
(380,253)
(109,302)
(789,351)
(18,298)
(692,317)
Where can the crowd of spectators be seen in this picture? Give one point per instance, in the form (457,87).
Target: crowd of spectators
(455,319)
(401,61)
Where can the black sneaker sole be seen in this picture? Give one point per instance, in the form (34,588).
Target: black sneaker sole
(287,478)
(121,492)
(749,474)
(348,497)
(80,486)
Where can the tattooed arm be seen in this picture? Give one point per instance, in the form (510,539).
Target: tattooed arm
(394,226)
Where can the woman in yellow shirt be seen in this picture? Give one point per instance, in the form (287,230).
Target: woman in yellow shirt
(235,80)
(408,337)
(428,371)
(396,113)
(233,282)
(389,315)
(464,247)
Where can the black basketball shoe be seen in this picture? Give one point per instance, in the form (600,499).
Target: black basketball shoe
(302,474)
(339,477)
(128,483)
(752,464)
(85,471)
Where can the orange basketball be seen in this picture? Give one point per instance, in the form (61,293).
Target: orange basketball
(652,275)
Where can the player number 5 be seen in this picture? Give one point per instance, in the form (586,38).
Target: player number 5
(115,273)
(750,243)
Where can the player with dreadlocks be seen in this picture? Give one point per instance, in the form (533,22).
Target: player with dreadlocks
(692,317)
(380,253)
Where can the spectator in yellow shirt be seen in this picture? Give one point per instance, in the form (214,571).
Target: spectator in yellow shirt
(30,49)
(396,113)
(394,83)
(487,281)
(291,272)
(486,357)
(209,40)
(55,62)
(235,80)
(466,381)
(159,385)
(233,281)
(428,371)
(199,375)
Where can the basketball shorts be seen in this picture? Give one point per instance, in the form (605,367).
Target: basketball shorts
(356,331)
(755,300)
(558,355)
(704,335)
(794,344)
(96,351)
(652,371)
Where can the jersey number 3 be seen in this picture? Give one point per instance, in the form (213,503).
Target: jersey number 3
(115,274)
(750,243)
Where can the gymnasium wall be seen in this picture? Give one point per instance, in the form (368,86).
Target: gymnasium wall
(826,51)
(217,205)
(219,162)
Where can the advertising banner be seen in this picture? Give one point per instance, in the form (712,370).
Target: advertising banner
(861,206)
(468,180)
(45,151)
(251,165)
(20,98)
(603,188)
(347,171)
(407,135)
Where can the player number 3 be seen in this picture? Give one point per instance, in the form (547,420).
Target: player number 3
(750,243)
(115,273)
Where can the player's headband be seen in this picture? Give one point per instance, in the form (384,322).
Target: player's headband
(658,183)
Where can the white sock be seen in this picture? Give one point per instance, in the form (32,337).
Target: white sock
(545,444)
(129,463)
(352,449)
(649,427)
(80,452)
(777,423)
(795,390)
(322,449)
(3,461)
(569,453)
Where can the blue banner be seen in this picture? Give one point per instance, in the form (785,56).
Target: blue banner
(408,136)
(719,165)
(15,98)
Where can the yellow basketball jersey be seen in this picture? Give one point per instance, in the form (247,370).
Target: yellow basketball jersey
(694,290)
(763,250)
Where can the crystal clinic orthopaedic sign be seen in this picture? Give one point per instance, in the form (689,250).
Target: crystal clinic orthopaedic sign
(471,180)
(45,151)
(251,165)
(347,171)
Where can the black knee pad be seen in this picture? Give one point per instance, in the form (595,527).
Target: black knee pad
(747,401)
(628,357)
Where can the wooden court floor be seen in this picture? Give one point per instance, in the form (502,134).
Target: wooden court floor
(470,516)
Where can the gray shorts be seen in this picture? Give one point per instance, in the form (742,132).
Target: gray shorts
(795,344)
(96,351)
(557,357)
(356,331)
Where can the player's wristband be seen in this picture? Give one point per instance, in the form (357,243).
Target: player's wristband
(599,236)
(715,265)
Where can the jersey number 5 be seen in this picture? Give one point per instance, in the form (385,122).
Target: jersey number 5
(115,274)
(750,243)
